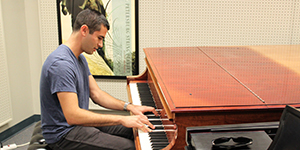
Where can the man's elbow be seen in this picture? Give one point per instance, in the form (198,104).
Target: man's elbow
(72,118)
(72,121)
(93,95)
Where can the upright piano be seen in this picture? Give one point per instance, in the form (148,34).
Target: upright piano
(210,85)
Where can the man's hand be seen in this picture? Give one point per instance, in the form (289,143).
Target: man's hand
(137,121)
(140,110)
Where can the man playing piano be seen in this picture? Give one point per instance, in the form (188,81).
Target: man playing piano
(66,85)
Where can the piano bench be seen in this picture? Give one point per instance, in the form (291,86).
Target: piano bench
(37,141)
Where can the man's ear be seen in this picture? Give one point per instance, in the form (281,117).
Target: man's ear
(84,30)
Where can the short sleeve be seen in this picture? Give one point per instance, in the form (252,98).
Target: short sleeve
(62,77)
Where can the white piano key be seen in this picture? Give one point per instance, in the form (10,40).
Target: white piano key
(135,94)
(164,130)
(144,140)
(158,119)
(163,125)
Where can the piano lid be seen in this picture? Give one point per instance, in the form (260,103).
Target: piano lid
(221,78)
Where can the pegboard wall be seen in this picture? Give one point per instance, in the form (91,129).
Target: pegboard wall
(48,27)
(173,23)
(5,100)
(116,88)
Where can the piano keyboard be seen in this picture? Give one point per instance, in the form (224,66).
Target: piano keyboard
(157,139)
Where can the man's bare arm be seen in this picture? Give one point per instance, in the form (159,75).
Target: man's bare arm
(77,116)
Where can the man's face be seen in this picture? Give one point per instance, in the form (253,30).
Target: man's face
(94,41)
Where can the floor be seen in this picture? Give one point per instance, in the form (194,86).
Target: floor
(21,138)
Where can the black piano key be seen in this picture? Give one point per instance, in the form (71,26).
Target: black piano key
(156,120)
(156,123)
(157,134)
(147,100)
(161,137)
(159,140)
(163,144)
(148,113)
(159,143)
(152,116)
(158,146)
(148,104)
(145,95)
(160,128)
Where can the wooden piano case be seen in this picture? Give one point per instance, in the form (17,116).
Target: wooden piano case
(201,86)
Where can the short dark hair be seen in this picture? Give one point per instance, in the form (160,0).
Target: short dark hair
(92,18)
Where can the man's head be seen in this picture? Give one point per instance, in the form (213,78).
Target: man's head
(92,28)
(93,19)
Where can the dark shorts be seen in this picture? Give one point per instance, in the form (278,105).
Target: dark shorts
(100,138)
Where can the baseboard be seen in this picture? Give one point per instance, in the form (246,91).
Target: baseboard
(18,127)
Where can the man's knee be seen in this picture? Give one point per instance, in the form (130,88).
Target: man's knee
(127,145)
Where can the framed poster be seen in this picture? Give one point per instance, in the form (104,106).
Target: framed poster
(119,56)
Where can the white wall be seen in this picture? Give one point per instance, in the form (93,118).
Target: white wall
(34,50)
(21,33)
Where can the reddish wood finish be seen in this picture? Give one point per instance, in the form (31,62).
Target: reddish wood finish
(220,85)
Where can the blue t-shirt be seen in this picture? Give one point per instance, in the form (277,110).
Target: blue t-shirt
(61,72)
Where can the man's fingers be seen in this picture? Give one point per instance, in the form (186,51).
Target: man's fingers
(145,120)
(150,125)
(145,129)
(155,112)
